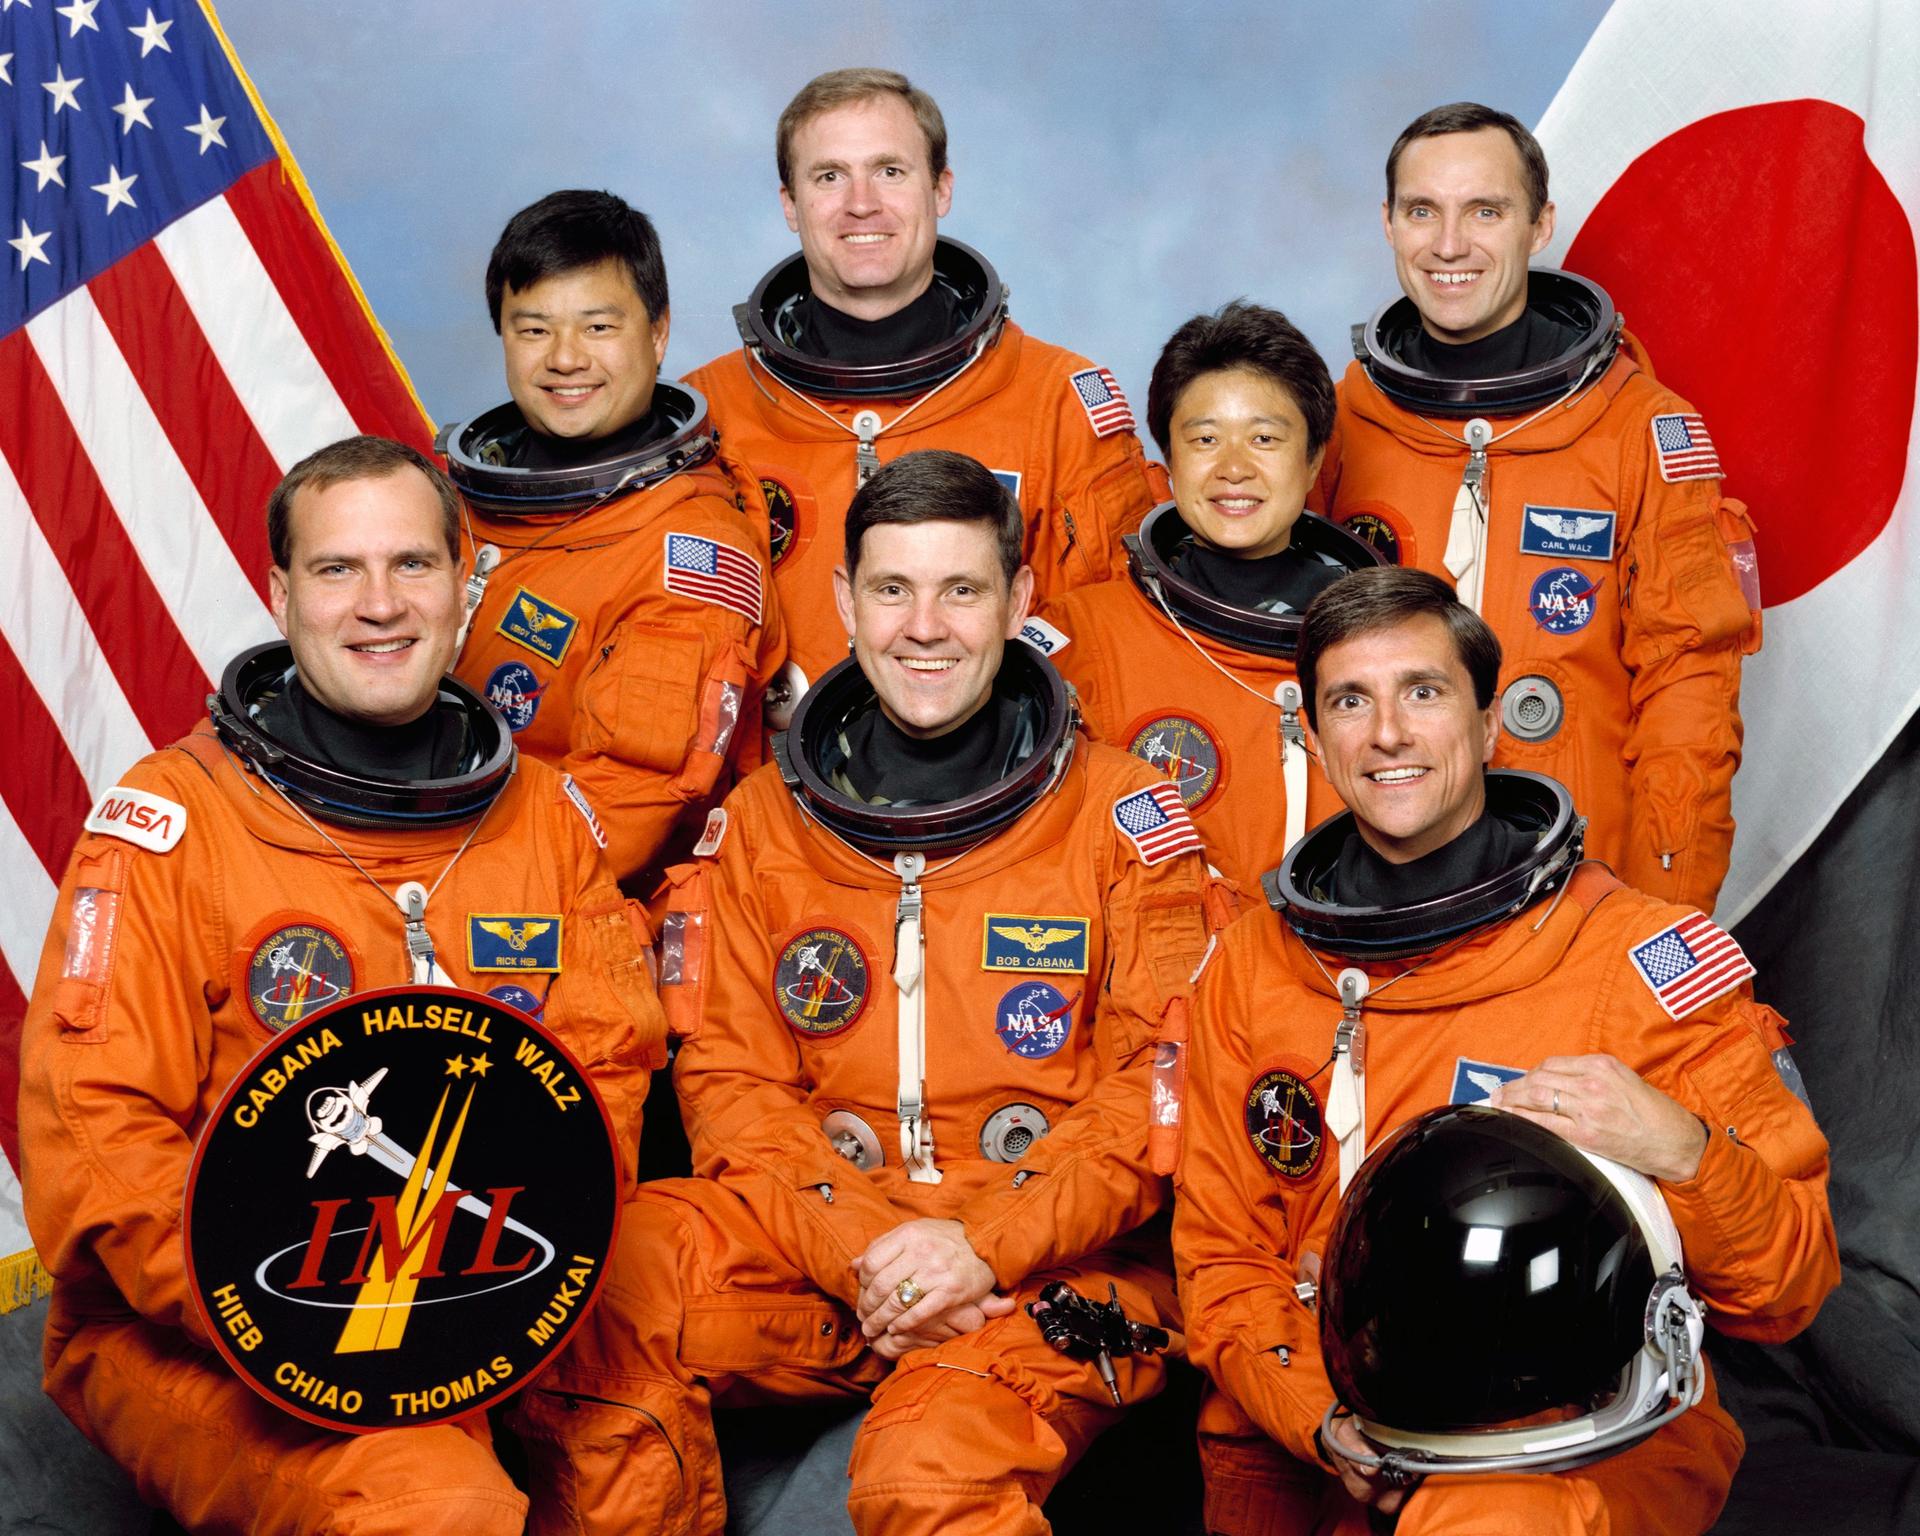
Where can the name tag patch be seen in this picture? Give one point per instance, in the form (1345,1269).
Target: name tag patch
(147,821)
(513,941)
(1013,941)
(539,625)
(1474,1080)
(1567,533)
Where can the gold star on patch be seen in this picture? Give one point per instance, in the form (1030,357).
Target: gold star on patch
(456,1065)
(480,1065)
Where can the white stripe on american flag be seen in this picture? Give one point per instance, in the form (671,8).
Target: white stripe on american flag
(48,630)
(1721,964)
(29,904)
(248,327)
(210,599)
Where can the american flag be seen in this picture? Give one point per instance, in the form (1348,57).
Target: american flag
(1690,963)
(176,330)
(1686,452)
(1106,407)
(714,573)
(1156,823)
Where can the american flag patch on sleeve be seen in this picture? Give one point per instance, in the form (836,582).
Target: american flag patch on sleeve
(1685,450)
(1689,964)
(714,573)
(1098,392)
(1156,823)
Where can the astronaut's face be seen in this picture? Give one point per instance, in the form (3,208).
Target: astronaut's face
(1237,455)
(1460,232)
(930,615)
(866,205)
(582,352)
(371,598)
(1402,740)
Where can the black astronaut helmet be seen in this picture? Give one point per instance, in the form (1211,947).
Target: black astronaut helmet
(480,450)
(352,799)
(1380,345)
(1493,1298)
(1298,889)
(769,327)
(1150,554)
(811,754)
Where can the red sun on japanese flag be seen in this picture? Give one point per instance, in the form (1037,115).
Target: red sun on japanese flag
(1761,256)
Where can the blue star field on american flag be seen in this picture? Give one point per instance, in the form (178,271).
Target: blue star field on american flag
(119,119)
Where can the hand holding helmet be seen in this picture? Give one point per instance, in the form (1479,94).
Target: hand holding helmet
(1603,1106)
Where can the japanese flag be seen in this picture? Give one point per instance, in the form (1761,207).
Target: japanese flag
(1743,176)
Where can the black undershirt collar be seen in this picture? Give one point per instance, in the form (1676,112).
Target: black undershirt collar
(823,331)
(1279,583)
(537,450)
(1527,342)
(435,746)
(1361,878)
(886,766)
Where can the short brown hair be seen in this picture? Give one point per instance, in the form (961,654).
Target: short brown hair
(936,485)
(1470,117)
(843,87)
(1381,598)
(1248,337)
(355,458)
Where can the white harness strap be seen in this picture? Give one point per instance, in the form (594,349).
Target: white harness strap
(1293,760)
(909,965)
(1466,553)
(1347,1100)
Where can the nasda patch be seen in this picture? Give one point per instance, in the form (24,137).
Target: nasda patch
(713,834)
(145,820)
(820,982)
(408,1199)
(1284,1123)
(296,969)
(1043,637)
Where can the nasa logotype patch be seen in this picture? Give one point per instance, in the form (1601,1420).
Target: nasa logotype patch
(1043,637)
(147,821)
(400,1209)
(1567,533)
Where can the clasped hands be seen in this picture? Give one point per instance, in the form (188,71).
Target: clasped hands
(954,1284)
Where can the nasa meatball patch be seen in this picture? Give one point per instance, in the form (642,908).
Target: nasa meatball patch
(515,692)
(820,982)
(1284,1123)
(1034,1019)
(295,969)
(400,1209)
(1563,601)
(1183,749)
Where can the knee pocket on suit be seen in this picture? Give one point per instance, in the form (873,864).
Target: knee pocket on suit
(755,1331)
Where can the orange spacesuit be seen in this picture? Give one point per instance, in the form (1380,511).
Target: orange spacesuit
(198,916)
(1621,584)
(1252,1216)
(1053,951)
(1155,677)
(630,647)
(1075,467)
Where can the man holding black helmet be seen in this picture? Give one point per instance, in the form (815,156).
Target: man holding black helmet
(1502,429)
(1443,942)
(624,625)
(921,967)
(881,336)
(349,819)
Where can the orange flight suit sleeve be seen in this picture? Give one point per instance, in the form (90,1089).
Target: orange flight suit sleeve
(1087,1180)
(1231,1244)
(1685,627)
(113,1057)
(1754,1220)
(1102,489)
(604,1003)
(741,1081)
(675,688)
